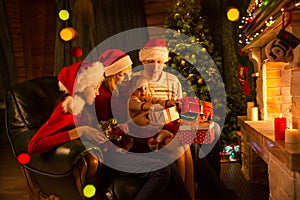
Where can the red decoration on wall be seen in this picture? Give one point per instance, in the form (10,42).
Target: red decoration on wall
(76,52)
(243,73)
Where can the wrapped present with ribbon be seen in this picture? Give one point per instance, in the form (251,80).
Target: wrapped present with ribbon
(206,110)
(190,108)
(164,116)
(201,133)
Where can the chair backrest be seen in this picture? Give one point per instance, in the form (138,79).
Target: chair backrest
(28,106)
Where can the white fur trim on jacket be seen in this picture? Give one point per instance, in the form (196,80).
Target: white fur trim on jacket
(118,66)
(153,53)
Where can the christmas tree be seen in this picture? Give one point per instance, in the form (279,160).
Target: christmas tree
(185,17)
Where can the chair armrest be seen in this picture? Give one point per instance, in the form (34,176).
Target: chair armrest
(62,160)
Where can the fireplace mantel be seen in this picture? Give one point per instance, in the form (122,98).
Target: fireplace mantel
(260,136)
(282,159)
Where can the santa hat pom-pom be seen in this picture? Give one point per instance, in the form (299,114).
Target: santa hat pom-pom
(78,104)
(73,105)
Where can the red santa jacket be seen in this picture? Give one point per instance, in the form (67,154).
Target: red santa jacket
(52,133)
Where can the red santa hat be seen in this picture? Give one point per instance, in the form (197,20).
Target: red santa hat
(154,49)
(76,78)
(114,61)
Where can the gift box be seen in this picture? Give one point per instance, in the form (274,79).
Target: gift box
(206,108)
(192,107)
(164,116)
(203,133)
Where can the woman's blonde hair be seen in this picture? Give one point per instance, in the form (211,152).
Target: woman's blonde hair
(111,81)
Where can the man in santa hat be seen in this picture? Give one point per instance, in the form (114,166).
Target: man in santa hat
(164,85)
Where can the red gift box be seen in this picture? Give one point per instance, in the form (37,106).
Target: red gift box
(192,107)
(193,134)
(206,109)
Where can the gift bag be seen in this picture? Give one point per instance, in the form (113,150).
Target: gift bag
(190,133)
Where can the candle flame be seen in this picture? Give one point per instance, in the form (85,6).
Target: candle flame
(280,115)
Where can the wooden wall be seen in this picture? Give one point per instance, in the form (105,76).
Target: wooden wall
(32,24)
(156,13)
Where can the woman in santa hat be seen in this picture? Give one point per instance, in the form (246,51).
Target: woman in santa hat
(81,91)
(117,69)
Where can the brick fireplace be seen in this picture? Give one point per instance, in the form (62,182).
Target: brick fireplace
(277,83)
(277,93)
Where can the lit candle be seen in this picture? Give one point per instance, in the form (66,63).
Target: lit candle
(253,114)
(279,127)
(291,135)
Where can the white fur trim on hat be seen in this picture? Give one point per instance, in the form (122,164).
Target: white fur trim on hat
(154,53)
(89,77)
(62,87)
(118,66)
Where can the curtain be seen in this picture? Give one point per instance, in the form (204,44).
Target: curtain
(7,61)
(95,21)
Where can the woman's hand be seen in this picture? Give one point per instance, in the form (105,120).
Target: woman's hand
(92,134)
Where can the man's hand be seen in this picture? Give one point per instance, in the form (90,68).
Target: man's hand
(171,103)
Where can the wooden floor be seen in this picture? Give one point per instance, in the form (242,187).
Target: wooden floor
(234,179)
(12,183)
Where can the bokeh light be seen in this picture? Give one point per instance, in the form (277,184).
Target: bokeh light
(68,34)
(76,52)
(23,158)
(233,14)
(89,190)
(63,15)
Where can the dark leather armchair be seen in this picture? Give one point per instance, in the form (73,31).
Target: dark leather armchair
(63,172)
